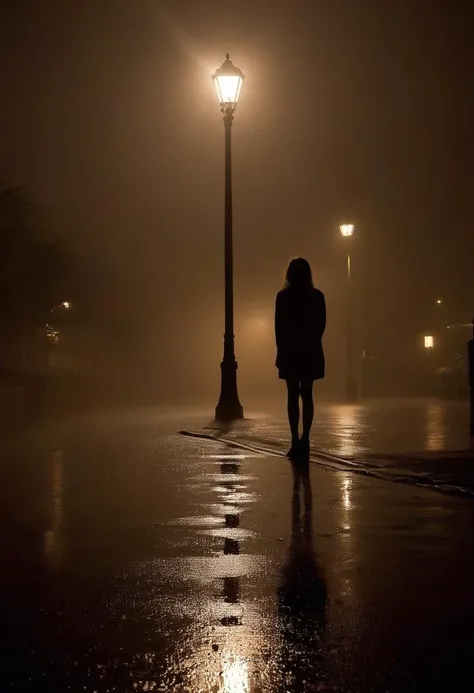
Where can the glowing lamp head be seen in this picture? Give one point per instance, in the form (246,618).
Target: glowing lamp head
(439,301)
(228,80)
(347,229)
(429,341)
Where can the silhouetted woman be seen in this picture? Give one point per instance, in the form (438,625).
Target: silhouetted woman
(300,321)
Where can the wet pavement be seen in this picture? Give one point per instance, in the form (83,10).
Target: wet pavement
(372,427)
(135,559)
(422,442)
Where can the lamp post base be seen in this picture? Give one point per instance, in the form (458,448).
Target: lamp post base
(229,407)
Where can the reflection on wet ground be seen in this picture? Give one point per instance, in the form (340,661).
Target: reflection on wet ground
(379,426)
(303,595)
(138,560)
(420,442)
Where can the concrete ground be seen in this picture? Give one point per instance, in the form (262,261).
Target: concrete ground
(135,559)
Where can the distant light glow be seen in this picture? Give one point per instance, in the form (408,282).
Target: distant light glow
(52,334)
(439,301)
(429,341)
(259,323)
(66,305)
(347,229)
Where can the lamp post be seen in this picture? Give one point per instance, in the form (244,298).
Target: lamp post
(429,343)
(470,352)
(228,80)
(347,231)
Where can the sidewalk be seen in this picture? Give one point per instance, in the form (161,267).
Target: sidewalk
(377,438)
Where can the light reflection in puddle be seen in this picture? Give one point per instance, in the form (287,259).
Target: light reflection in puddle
(220,613)
(223,509)
(347,423)
(240,497)
(346,491)
(196,521)
(235,675)
(229,488)
(435,427)
(221,478)
(228,458)
(226,637)
(230,565)
(346,533)
(231,478)
(52,538)
(237,534)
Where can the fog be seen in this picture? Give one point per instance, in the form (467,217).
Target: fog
(349,111)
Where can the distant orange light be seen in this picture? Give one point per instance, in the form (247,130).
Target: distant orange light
(347,229)
(429,341)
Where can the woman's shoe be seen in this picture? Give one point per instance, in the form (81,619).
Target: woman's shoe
(294,451)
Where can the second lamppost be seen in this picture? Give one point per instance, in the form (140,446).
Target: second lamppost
(347,231)
(228,80)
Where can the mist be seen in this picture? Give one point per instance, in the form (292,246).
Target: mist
(353,111)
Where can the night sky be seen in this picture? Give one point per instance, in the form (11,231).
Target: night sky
(351,110)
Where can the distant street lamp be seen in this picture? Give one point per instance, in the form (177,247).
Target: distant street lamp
(228,80)
(429,347)
(347,231)
(429,342)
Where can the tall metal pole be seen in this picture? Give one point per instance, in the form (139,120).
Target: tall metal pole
(470,347)
(351,387)
(229,407)
(364,355)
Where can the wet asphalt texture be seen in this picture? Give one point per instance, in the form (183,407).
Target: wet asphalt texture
(135,559)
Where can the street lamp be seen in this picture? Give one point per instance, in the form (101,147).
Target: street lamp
(429,342)
(347,231)
(228,80)
(429,347)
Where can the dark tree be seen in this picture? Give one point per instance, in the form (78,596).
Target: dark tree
(34,272)
(35,276)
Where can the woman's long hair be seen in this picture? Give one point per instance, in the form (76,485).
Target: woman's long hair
(299,275)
